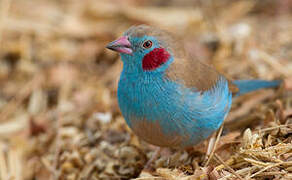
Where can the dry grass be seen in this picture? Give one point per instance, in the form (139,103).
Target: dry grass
(59,117)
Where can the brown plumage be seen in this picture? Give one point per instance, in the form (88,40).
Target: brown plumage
(193,73)
(152,133)
(185,68)
(166,39)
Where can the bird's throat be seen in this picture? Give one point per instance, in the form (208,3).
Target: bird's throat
(155,59)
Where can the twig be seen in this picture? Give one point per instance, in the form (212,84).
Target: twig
(268,167)
(229,161)
(242,172)
(275,127)
(214,147)
(47,165)
(256,163)
(228,167)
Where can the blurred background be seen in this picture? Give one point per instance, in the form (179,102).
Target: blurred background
(59,117)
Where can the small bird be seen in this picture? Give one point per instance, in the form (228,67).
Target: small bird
(168,98)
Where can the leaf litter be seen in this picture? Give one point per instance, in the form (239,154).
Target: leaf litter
(59,117)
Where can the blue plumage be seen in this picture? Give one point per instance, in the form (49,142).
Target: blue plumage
(166,97)
(180,112)
(246,86)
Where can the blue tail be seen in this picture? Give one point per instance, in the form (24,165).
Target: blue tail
(246,86)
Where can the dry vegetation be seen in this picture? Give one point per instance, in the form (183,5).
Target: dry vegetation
(59,117)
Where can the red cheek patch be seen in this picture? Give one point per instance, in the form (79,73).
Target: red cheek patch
(154,59)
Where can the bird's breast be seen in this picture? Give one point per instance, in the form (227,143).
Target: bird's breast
(149,104)
(164,113)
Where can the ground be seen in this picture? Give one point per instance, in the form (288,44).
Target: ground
(59,117)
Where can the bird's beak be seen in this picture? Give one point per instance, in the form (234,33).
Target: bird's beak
(121,45)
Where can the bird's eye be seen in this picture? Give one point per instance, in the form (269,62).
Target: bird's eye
(147,44)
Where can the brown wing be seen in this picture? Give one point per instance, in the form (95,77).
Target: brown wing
(193,73)
(196,74)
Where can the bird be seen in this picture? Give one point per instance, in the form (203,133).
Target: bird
(167,97)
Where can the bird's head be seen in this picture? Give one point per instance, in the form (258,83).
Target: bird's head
(145,49)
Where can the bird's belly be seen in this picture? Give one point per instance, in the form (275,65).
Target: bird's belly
(153,133)
(163,115)
(164,128)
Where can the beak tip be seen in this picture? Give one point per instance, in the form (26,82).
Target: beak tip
(121,45)
(108,47)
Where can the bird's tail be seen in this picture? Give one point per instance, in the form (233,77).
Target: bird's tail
(246,86)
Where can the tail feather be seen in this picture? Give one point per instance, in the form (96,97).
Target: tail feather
(246,86)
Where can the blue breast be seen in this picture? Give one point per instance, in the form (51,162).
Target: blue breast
(156,106)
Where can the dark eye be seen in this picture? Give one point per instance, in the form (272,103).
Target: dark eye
(147,44)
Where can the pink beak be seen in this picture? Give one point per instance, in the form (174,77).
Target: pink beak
(121,45)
